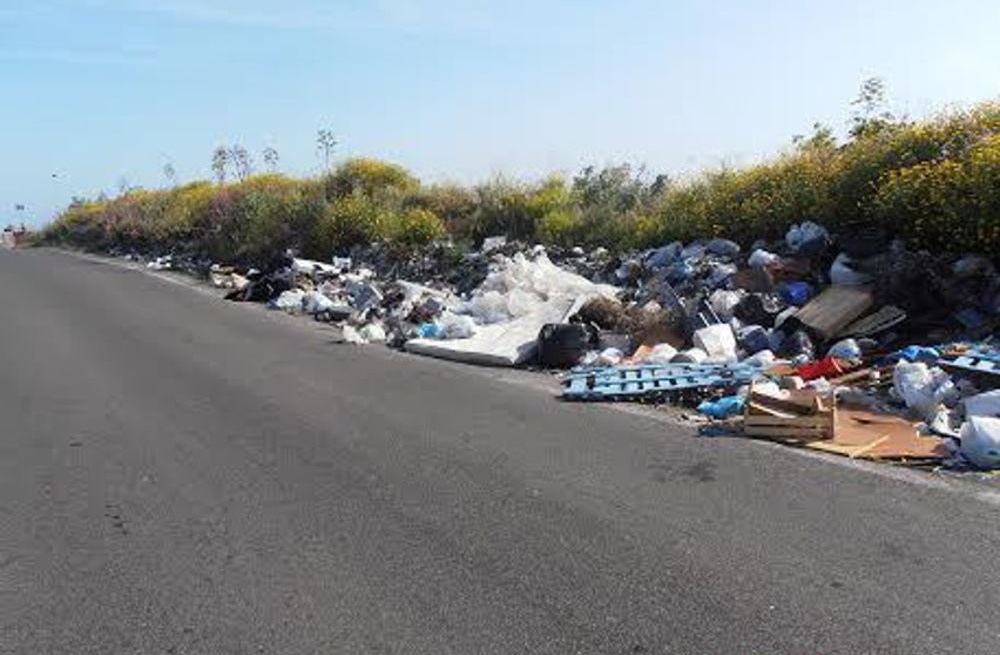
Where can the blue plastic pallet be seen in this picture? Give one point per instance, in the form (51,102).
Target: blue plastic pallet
(624,382)
(977,363)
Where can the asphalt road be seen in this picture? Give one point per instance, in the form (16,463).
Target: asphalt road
(182,475)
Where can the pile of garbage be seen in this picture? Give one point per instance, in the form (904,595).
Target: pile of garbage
(851,344)
(13,237)
(807,343)
(495,323)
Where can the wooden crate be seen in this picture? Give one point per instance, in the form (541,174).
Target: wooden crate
(804,416)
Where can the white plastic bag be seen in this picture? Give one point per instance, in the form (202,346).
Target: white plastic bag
(846,349)
(662,353)
(311,267)
(984,404)
(372,333)
(941,424)
(221,280)
(494,243)
(610,357)
(519,286)
(690,356)
(718,341)
(352,336)
(761,359)
(723,302)
(290,300)
(981,441)
(804,233)
(923,389)
(454,326)
(761,258)
(316,303)
(842,273)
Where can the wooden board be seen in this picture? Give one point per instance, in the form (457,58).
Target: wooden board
(799,433)
(879,321)
(833,310)
(818,421)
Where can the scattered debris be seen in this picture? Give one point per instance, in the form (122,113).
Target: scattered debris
(844,343)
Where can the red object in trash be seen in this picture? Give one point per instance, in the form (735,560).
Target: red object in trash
(824,368)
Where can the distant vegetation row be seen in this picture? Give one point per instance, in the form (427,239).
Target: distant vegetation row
(933,182)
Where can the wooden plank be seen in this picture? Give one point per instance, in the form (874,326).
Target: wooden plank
(779,407)
(869,447)
(796,432)
(863,374)
(838,448)
(879,321)
(797,402)
(762,410)
(834,309)
(819,421)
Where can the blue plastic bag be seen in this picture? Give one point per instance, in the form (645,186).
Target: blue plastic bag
(430,331)
(797,293)
(920,354)
(725,407)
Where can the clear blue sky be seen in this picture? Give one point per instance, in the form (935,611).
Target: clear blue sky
(95,91)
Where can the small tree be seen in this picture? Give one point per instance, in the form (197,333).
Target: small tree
(871,112)
(170,173)
(821,139)
(271,159)
(220,163)
(326,142)
(242,162)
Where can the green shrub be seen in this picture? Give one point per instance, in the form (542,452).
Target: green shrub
(934,182)
(455,205)
(503,207)
(350,221)
(947,204)
(414,227)
(371,177)
(560,226)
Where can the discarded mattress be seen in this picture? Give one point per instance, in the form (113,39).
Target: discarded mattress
(499,344)
(517,299)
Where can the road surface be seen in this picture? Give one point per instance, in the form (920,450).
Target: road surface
(182,475)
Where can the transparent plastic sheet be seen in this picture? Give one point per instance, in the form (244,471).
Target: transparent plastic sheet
(520,286)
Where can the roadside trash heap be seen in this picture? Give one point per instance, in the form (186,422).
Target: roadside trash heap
(809,342)
(13,237)
(495,322)
(850,344)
